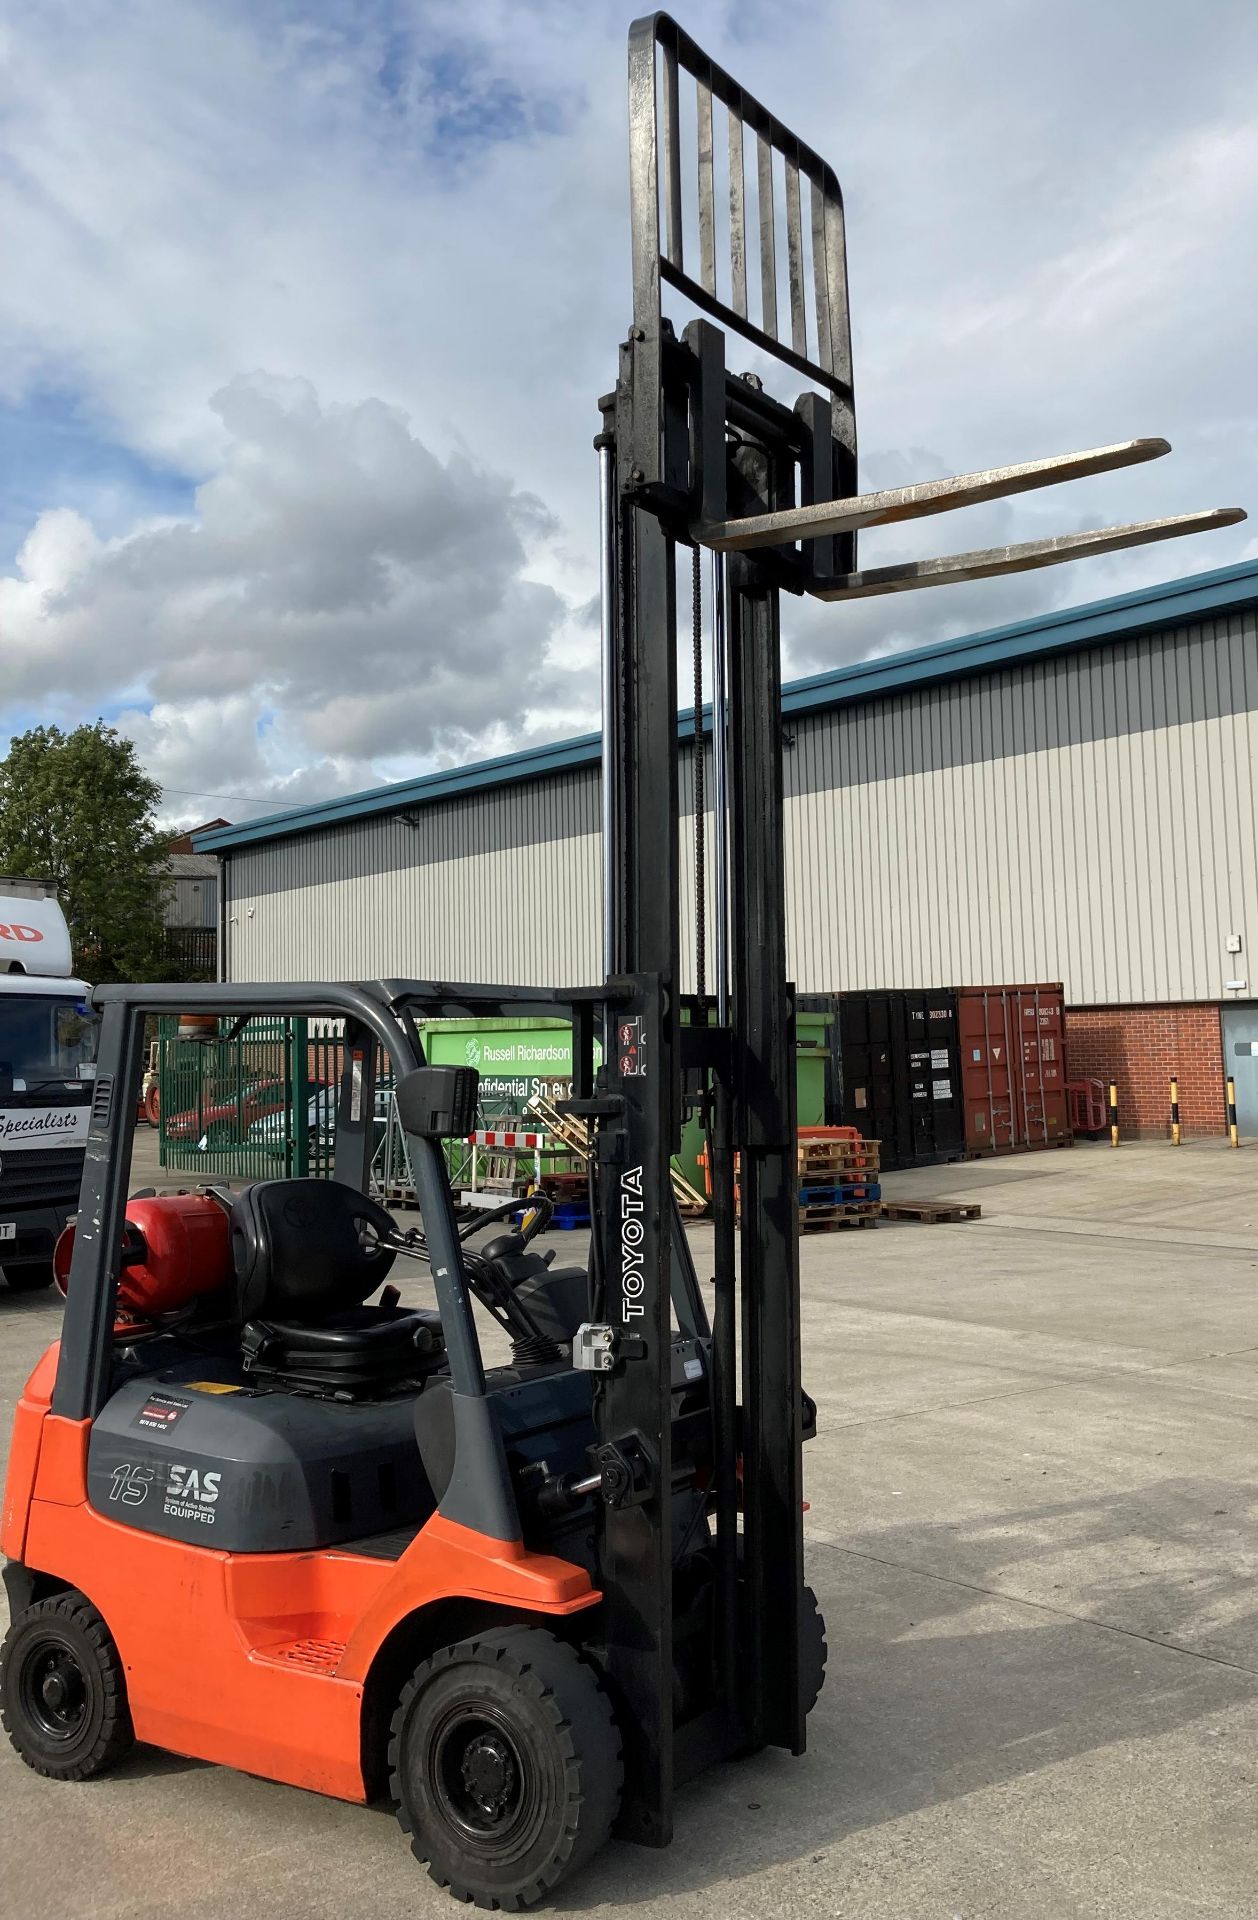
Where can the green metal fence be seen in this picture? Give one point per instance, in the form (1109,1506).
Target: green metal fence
(261,1104)
(255,1106)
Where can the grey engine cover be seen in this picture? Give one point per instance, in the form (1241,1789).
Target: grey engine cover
(249,1472)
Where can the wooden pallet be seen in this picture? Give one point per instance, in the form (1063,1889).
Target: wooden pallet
(838,1166)
(565,1185)
(931,1213)
(825,1219)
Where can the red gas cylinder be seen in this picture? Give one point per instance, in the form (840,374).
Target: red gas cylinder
(177,1246)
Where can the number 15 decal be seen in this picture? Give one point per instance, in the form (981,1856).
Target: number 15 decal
(131,1484)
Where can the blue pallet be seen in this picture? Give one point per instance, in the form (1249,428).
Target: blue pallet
(568,1215)
(850,1195)
(567,1218)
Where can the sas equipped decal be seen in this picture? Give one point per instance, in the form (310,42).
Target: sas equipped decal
(191,1494)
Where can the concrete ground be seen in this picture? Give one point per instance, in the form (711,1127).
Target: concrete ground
(1032,1529)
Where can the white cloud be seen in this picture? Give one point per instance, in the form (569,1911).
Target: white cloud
(425,203)
(336,573)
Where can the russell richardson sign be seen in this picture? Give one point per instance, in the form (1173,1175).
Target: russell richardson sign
(26,1128)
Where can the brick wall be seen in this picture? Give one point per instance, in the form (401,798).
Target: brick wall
(1140,1048)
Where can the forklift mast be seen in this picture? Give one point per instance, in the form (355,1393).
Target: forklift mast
(696,454)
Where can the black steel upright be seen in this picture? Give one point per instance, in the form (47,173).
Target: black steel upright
(634,1194)
(693,446)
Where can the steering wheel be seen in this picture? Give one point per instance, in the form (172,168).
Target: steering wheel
(538,1210)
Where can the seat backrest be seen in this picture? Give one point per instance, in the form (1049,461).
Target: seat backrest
(306,1248)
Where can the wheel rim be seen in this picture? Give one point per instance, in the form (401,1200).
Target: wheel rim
(481,1781)
(55,1692)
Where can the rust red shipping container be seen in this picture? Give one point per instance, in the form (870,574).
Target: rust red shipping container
(1013,1069)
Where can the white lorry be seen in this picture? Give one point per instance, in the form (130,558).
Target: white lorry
(47,1067)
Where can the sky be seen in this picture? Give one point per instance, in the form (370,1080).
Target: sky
(306,310)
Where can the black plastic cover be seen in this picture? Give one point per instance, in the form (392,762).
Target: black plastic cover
(439,1103)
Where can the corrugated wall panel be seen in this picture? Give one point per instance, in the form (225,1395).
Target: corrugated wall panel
(192,902)
(1088,817)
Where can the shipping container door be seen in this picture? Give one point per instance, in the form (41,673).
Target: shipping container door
(869,1068)
(987,1045)
(934,1082)
(1040,1116)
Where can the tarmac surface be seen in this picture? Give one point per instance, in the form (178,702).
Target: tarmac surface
(1034,1497)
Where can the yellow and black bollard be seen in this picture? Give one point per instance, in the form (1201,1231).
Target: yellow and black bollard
(1232,1131)
(1174,1109)
(1113,1114)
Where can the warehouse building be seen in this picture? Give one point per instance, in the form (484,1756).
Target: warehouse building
(1070,798)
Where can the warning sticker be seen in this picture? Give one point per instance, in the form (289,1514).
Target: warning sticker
(212,1386)
(939,1056)
(942,1089)
(632,1049)
(160,1412)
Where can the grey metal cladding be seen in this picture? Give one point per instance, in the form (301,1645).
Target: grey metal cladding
(1161,680)
(1158,681)
(1088,817)
(495,820)
(192,902)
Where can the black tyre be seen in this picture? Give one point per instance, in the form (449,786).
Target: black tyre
(29,1277)
(812,1650)
(63,1696)
(504,1764)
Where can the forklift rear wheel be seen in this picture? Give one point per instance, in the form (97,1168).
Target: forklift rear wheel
(812,1650)
(505,1767)
(63,1696)
(29,1277)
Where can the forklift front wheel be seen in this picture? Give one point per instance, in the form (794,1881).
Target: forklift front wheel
(63,1696)
(812,1650)
(505,1766)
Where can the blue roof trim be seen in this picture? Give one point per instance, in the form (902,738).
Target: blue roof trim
(1143,611)
(529,764)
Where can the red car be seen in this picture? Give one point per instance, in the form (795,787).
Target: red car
(230,1116)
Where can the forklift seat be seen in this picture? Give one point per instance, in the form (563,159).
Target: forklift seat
(307,1253)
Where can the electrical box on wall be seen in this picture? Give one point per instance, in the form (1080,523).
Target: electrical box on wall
(1233,943)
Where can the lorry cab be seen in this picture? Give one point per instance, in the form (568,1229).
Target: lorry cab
(47,1067)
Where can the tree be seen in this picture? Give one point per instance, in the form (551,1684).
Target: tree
(77,808)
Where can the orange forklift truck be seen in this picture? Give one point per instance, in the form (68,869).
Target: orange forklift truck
(250,1517)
